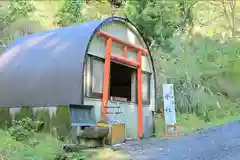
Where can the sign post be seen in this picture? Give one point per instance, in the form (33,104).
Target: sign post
(169,110)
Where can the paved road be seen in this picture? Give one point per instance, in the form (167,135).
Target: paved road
(219,143)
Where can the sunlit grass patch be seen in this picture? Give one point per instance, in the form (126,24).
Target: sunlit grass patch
(188,123)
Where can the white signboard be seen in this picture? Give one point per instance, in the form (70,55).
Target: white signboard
(169,104)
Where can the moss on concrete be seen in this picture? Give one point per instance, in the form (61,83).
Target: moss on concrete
(61,122)
(44,116)
(5,118)
(24,113)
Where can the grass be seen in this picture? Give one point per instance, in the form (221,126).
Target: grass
(43,146)
(189,123)
(47,149)
(186,124)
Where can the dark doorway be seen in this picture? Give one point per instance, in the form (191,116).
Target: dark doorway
(121,82)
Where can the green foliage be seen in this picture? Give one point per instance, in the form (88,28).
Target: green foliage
(5,118)
(157,20)
(4,17)
(77,156)
(61,122)
(20,9)
(24,113)
(58,124)
(43,116)
(23,129)
(69,13)
(22,141)
(204,74)
(13,15)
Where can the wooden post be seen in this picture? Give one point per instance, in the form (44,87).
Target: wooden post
(123,59)
(139,78)
(106,78)
(125,51)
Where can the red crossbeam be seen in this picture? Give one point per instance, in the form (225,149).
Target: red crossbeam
(125,61)
(115,39)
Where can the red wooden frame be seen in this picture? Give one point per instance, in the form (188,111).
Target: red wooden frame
(125,51)
(139,79)
(106,78)
(125,61)
(119,41)
(138,64)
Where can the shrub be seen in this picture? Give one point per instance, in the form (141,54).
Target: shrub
(204,73)
(5,118)
(24,113)
(43,116)
(61,122)
(23,129)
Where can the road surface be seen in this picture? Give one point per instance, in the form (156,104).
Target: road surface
(218,143)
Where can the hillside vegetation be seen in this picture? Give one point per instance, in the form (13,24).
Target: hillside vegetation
(25,141)
(195,43)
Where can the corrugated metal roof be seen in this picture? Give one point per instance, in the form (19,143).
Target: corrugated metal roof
(46,69)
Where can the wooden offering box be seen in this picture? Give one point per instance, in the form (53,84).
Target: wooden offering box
(116,132)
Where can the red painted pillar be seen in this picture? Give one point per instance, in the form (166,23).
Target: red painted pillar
(125,51)
(106,78)
(139,78)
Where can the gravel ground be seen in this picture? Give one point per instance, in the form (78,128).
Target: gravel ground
(218,143)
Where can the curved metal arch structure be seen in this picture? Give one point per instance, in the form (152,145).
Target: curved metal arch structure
(47,69)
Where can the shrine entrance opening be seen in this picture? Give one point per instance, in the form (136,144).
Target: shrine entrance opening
(121,83)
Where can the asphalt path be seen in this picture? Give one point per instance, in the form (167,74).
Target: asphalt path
(218,143)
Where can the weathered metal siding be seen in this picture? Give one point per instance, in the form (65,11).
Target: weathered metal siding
(129,116)
(45,69)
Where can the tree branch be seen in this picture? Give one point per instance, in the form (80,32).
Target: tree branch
(226,13)
(214,19)
(186,10)
(215,4)
(233,6)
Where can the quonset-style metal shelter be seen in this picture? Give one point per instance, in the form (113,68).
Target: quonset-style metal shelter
(94,63)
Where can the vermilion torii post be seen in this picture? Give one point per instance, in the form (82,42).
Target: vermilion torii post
(122,59)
